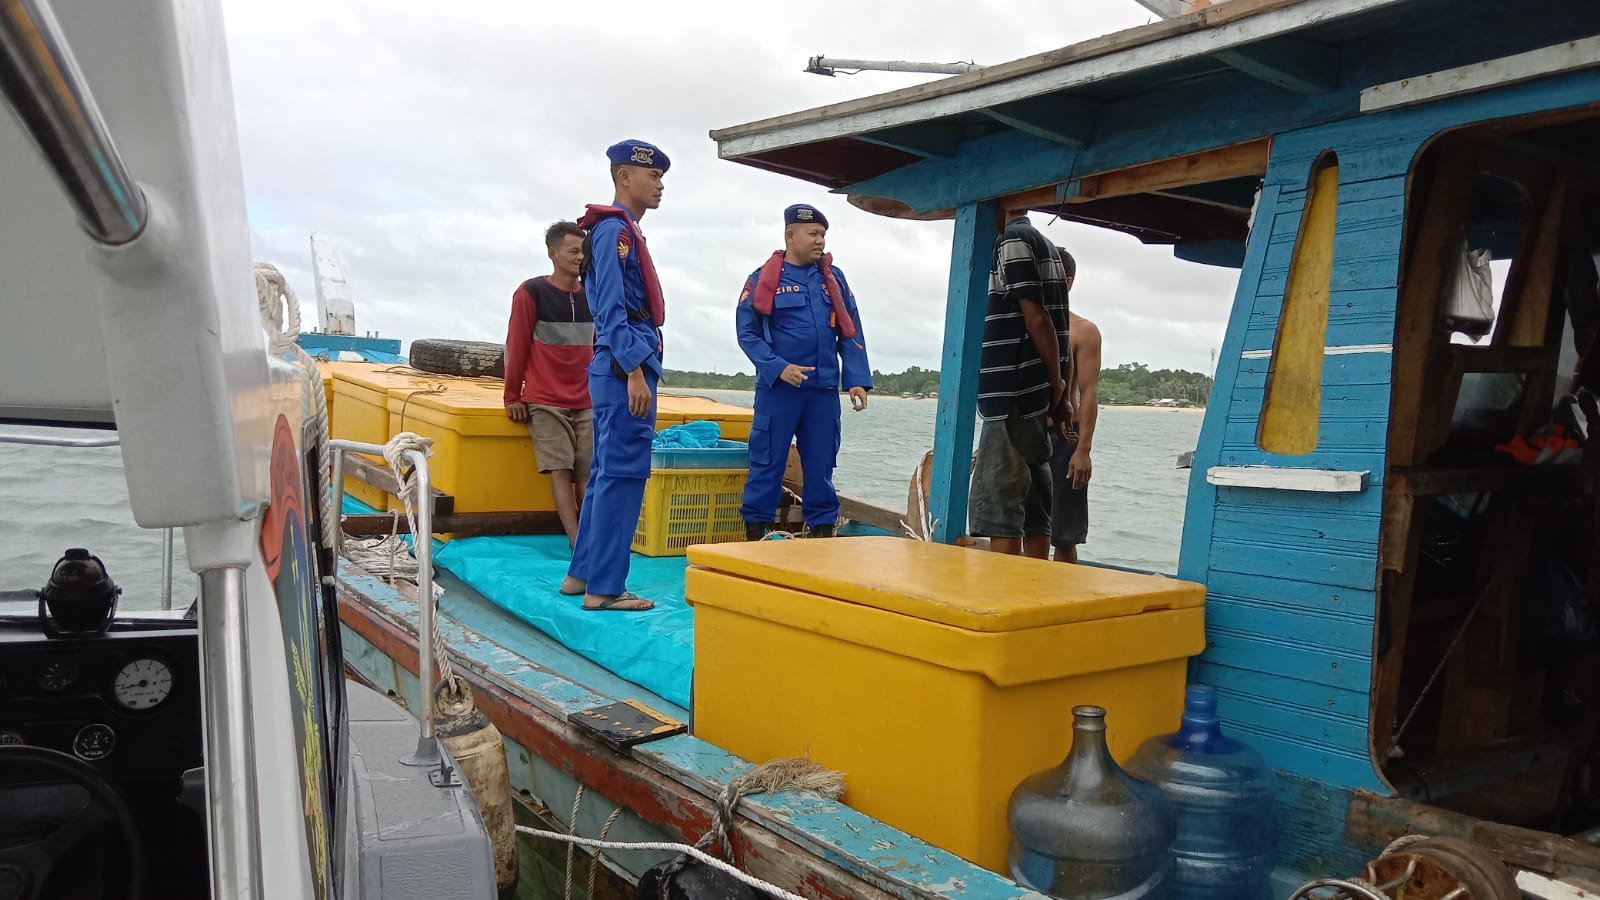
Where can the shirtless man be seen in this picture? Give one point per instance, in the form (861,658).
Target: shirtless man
(1070,465)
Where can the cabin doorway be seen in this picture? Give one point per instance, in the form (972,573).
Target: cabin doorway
(1486,680)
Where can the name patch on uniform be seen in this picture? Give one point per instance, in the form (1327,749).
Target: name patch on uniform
(644,156)
(790,289)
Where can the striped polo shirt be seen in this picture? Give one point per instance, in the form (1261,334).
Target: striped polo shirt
(1025,266)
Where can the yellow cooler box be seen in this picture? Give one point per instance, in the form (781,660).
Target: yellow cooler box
(480,456)
(327,369)
(935,677)
(360,412)
(676,409)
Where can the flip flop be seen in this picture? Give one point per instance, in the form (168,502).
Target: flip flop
(624,597)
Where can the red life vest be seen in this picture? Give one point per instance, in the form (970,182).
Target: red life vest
(767,289)
(652,285)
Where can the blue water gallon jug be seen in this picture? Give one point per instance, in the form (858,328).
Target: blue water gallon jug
(1226,799)
(1085,830)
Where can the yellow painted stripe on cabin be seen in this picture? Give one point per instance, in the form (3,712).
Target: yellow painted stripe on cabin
(1294,387)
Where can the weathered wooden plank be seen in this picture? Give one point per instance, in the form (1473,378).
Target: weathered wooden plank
(1245,453)
(1333,531)
(1236,686)
(380,476)
(1251,555)
(1478,76)
(1348,671)
(458,524)
(1288,478)
(1286,622)
(1428,481)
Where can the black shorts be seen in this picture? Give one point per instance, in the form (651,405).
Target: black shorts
(1069,509)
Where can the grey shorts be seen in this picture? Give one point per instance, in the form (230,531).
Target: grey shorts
(1069,512)
(562,439)
(1010,495)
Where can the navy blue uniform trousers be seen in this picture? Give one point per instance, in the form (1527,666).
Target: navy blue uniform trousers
(616,484)
(785,413)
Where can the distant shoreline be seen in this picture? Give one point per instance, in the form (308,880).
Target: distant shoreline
(670,390)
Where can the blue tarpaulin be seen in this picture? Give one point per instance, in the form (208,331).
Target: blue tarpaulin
(696,435)
(522,574)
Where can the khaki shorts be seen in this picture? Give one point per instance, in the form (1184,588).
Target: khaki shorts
(562,439)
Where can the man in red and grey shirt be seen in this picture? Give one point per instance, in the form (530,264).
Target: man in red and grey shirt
(549,345)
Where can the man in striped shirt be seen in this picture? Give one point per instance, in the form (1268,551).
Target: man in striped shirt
(1025,367)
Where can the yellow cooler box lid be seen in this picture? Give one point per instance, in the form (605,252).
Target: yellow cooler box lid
(382,381)
(973,590)
(468,407)
(690,409)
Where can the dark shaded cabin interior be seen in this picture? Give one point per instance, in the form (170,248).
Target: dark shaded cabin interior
(1486,695)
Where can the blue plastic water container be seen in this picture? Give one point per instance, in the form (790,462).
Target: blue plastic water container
(1226,800)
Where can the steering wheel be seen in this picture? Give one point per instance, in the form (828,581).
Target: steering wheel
(25,869)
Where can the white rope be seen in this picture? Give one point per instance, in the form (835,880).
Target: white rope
(276,301)
(405,475)
(698,854)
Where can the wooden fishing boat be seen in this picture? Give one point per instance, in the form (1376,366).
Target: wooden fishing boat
(1399,616)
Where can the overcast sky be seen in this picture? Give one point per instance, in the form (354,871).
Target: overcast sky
(435,142)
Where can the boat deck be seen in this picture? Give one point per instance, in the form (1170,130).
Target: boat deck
(529,683)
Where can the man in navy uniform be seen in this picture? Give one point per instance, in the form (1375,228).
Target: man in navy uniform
(797,321)
(625,297)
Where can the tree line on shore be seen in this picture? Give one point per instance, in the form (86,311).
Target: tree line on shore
(1130,384)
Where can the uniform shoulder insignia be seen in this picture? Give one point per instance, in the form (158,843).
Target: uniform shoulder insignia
(623,247)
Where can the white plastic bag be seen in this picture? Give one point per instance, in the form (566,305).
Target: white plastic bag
(1469,294)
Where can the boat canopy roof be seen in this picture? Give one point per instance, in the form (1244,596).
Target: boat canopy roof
(1182,111)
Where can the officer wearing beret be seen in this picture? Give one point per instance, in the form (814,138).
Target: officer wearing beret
(797,321)
(625,297)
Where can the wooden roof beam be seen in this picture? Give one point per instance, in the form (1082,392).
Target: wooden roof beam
(1220,164)
(1294,65)
(929,141)
(1065,120)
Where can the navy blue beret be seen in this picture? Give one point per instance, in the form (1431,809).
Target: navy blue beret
(804,214)
(638,153)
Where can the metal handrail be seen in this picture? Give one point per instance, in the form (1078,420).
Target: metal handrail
(47,91)
(422,546)
(50,440)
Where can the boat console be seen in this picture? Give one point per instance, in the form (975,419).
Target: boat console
(101,786)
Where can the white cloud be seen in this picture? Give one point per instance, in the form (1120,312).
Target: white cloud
(435,143)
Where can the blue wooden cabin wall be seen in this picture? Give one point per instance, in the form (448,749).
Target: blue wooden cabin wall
(1291,576)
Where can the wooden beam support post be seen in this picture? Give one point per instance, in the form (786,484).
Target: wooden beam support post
(965,306)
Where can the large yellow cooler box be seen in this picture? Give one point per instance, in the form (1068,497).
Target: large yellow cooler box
(327,369)
(360,412)
(935,677)
(480,457)
(676,409)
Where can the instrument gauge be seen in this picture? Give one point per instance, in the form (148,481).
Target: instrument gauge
(94,741)
(142,684)
(11,738)
(58,676)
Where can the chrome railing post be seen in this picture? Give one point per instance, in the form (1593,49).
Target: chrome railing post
(229,737)
(422,546)
(50,97)
(166,568)
(427,751)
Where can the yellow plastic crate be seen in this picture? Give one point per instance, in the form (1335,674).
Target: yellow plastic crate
(937,677)
(683,507)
